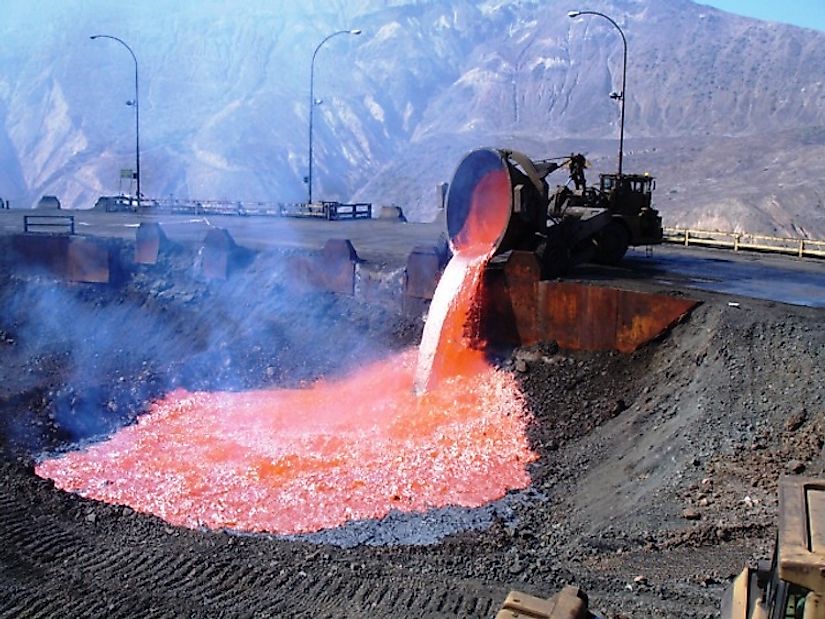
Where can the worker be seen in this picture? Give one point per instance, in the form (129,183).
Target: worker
(577,165)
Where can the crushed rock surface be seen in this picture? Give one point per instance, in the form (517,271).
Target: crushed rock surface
(656,482)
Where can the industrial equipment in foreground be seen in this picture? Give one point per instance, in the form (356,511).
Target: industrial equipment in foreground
(565,226)
(792,584)
(569,603)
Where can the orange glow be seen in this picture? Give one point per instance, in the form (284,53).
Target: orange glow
(446,346)
(487,217)
(301,460)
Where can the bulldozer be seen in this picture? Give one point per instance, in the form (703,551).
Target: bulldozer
(792,584)
(564,226)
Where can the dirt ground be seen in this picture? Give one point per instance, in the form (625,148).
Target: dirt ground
(656,480)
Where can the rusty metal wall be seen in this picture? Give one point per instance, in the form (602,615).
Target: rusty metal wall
(68,257)
(88,260)
(509,297)
(519,309)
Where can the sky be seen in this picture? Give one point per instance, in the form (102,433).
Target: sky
(805,13)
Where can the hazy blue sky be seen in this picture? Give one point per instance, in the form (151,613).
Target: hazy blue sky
(806,13)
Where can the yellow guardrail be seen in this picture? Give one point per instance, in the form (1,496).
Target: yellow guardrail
(744,241)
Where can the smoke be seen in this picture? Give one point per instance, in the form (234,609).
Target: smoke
(82,360)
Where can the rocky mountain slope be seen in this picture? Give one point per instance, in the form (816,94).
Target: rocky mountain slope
(724,110)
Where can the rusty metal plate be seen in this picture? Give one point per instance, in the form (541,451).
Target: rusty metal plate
(644,316)
(149,239)
(582,317)
(423,272)
(509,293)
(578,317)
(87,260)
(40,252)
(67,257)
(522,273)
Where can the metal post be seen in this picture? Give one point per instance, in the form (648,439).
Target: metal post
(312,101)
(621,95)
(136,104)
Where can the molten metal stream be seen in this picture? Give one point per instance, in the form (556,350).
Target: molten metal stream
(300,460)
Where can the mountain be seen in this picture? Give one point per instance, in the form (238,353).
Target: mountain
(724,110)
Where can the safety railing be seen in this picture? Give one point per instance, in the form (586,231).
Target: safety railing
(320,210)
(328,210)
(744,241)
(359,210)
(49,224)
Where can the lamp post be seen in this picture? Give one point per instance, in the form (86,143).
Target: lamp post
(312,100)
(621,95)
(136,105)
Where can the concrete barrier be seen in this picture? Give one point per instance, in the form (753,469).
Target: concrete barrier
(337,266)
(150,241)
(331,270)
(392,213)
(424,266)
(221,255)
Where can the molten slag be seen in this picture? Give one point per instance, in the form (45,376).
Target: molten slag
(301,460)
(409,433)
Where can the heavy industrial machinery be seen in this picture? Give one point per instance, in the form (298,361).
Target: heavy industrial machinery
(792,584)
(569,603)
(507,194)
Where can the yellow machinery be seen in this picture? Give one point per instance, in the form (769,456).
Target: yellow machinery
(792,584)
(569,603)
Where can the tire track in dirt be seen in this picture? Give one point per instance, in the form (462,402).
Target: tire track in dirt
(67,557)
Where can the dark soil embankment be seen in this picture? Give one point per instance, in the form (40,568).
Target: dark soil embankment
(656,480)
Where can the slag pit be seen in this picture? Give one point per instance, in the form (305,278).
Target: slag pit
(301,460)
(412,432)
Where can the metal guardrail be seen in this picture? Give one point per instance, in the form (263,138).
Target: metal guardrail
(333,211)
(743,241)
(49,224)
(359,210)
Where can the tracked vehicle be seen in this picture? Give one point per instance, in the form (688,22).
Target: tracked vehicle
(564,226)
(792,584)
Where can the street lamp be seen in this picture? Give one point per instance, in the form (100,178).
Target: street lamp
(613,95)
(312,101)
(136,105)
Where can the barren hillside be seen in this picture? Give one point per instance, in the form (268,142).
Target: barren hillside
(723,109)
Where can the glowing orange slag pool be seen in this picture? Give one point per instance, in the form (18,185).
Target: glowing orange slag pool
(300,460)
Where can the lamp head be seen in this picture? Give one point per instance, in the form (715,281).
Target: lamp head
(94,36)
(572,14)
(355,31)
